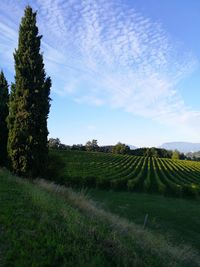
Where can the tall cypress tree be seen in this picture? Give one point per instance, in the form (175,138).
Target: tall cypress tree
(3,116)
(29,103)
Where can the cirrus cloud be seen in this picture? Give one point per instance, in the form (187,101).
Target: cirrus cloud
(106,53)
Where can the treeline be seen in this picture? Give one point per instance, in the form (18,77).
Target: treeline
(24,112)
(55,143)
(119,148)
(158,153)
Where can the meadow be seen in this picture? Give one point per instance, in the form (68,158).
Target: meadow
(174,218)
(44,224)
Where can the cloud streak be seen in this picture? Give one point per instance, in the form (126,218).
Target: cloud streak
(104,53)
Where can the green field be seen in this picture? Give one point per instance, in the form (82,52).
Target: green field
(124,172)
(175,218)
(43,224)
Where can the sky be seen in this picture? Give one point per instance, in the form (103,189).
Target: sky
(122,70)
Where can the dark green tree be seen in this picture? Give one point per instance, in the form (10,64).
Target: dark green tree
(54,143)
(29,103)
(4,96)
(120,148)
(176,154)
(92,145)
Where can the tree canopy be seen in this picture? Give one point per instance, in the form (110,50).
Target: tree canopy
(176,154)
(120,148)
(29,103)
(4,96)
(92,145)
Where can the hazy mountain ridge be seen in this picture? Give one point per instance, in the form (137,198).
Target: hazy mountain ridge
(132,147)
(183,147)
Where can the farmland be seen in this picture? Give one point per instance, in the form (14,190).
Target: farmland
(124,172)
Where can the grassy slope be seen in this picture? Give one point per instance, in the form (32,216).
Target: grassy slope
(34,231)
(42,224)
(179,218)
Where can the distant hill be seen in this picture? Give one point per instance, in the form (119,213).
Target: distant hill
(183,147)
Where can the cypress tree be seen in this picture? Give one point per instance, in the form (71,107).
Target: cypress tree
(29,103)
(3,116)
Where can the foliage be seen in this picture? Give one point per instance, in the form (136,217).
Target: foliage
(152,152)
(120,148)
(78,147)
(123,172)
(92,145)
(54,143)
(106,149)
(176,154)
(29,103)
(4,96)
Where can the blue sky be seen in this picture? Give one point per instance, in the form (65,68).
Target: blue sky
(124,71)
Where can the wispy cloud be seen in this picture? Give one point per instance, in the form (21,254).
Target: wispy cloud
(105,53)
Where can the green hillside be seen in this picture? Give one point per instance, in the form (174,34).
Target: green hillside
(43,224)
(124,172)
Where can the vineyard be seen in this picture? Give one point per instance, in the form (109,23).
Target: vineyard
(124,172)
